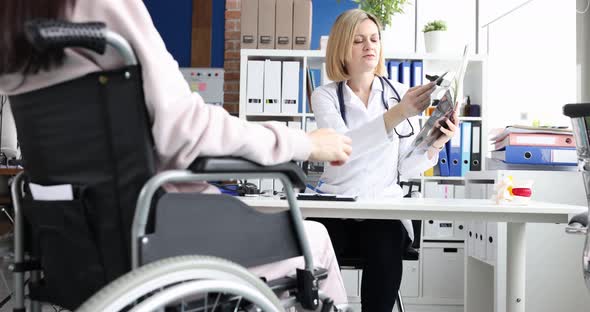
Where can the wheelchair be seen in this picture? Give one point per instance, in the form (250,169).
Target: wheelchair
(580,117)
(121,243)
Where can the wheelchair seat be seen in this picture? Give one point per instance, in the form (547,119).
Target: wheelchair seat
(92,134)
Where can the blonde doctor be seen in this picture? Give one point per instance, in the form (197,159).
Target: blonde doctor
(380,117)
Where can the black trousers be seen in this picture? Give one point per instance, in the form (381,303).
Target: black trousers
(377,247)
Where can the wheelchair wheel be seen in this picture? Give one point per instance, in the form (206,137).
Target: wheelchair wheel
(185,283)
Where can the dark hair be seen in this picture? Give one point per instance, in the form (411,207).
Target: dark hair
(16,54)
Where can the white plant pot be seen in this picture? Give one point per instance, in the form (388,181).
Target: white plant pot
(434,41)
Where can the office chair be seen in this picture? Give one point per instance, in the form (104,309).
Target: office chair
(91,137)
(348,254)
(580,116)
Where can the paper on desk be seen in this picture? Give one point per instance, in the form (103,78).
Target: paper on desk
(51,192)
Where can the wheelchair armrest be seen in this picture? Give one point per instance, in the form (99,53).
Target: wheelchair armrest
(581,219)
(240,165)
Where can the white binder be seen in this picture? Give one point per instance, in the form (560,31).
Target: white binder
(290,89)
(311,125)
(294,124)
(254,87)
(272,87)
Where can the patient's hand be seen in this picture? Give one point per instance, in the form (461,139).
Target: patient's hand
(328,145)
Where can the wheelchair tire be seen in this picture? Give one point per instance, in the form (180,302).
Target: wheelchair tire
(170,275)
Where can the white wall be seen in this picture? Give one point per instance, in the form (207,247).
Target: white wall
(532,69)
(583,48)
(532,63)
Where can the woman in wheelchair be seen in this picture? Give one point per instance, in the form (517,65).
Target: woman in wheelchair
(183,126)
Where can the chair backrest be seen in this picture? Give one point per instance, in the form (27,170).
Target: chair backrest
(91,133)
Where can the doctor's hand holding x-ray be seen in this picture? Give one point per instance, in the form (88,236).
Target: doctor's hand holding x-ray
(380,116)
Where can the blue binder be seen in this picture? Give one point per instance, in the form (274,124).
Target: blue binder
(454,153)
(416,73)
(537,155)
(405,73)
(393,70)
(465,147)
(443,162)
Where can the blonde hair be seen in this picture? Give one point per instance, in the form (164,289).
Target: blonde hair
(340,44)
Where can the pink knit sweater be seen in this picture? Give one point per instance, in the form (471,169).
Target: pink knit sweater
(183,126)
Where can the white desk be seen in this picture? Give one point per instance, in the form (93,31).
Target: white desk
(509,287)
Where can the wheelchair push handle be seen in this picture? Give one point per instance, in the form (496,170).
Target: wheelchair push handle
(45,34)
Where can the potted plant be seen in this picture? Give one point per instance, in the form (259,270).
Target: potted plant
(434,33)
(383,9)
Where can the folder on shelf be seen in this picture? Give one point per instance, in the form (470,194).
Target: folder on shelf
(290,88)
(429,172)
(454,154)
(393,70)
(465,147)
(537,155)
(284,24)
(536,139)
(249,24)
(266,24)
(310,124)
(416,73)
(272,87)
(254,87)
(302,12)
(405,70)
(294,124)
(475,146)
(443,161)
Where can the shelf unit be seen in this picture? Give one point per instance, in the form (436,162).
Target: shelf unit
(474,84)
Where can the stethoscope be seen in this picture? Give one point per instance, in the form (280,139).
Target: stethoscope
(397,98)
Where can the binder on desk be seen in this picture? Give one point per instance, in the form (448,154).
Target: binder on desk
(284,24)
(249,24)
(302,12)
(254,87)
(465,147)
(272,87)
(416,73)
(475,146)
(443,161)
(393,70)
(290,88)
(266,24)
(405,70)
(537,155)
(454,154)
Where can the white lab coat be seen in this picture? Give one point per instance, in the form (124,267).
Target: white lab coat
(372,169)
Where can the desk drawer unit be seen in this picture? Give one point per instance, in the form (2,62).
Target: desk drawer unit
(442,275)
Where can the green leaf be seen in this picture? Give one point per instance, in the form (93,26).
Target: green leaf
(382,9)
(435,25)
